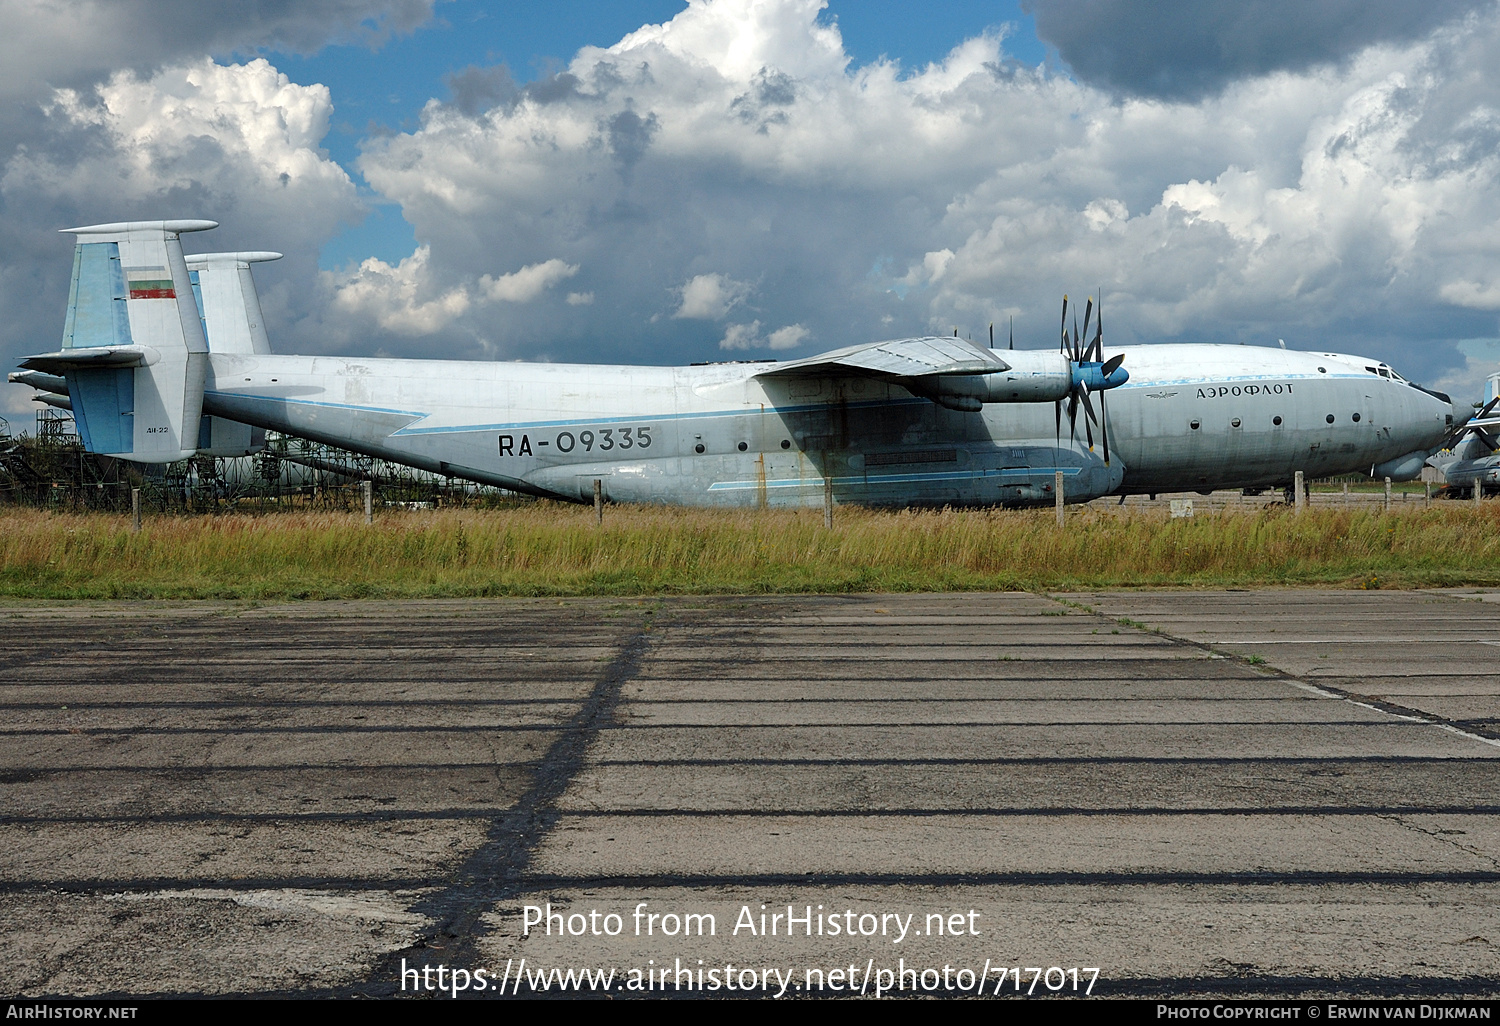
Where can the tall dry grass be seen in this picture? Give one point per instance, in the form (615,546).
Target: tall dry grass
(548,549)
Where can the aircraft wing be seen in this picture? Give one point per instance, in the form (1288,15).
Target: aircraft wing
(896,359)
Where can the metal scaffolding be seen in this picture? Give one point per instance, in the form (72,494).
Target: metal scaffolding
(50,469)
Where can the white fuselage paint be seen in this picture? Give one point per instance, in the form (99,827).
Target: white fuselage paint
(554,428)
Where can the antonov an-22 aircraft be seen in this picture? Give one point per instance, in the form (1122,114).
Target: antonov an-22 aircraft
(164,357)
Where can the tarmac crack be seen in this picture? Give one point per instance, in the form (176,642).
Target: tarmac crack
(497,869)
(1465,728)
(1447,836)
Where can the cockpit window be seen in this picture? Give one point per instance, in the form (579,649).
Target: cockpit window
(1384,373)
(1372,370)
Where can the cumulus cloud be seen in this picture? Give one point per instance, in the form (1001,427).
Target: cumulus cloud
(526,284)
(407,300)
(225,132)
(711,296)
(1479,295)
(789,337)
(747,336)
(399,299)
(741,336)
(237,143)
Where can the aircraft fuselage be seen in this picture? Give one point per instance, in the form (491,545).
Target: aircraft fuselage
(1190,417)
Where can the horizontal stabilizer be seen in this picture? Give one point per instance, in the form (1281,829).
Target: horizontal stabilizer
(91,357)
(36,379)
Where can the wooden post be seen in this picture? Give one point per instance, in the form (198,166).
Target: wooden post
(827,500)
(1346,493)
(369,489)
(135,511)
(1478,491)
(598,502)
(1387,495)
(1057,488)
(1299,493)
(1426,494)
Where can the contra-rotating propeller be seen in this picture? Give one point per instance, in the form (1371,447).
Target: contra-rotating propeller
(1090,369)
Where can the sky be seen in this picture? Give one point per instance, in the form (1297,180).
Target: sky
(659,181)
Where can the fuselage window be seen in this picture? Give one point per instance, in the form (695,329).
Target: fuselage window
(1193,424)
(1276,421)
(1330,418)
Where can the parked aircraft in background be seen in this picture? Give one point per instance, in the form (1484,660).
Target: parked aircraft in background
(910,422)
(1469,460)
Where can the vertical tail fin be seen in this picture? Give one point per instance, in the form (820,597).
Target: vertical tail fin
(133,351)
(225,292)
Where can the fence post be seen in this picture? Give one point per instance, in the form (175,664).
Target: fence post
(1346,493)
(1057,488)
(1387,495)
(367,487)
(598,502)
(1478,491)
(135,511)
(1299,492)
(827,500)
(1426,494)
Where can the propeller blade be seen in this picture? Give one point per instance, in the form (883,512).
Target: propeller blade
(1088,404)
(1058,405)
(1064,346)
(1099,328)
(1088,315)
(1463,429)
(1104,427)
(1013,333)
(1089,434)
(992,334)
(1112,364)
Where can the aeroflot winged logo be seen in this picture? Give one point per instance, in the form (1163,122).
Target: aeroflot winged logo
(150,283)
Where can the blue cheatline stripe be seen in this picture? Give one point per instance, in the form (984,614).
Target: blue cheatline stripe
(313,402)
(637,418)
(533,425)
(860,480)
(1203,382)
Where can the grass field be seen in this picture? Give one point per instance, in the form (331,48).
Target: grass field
(547,549)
